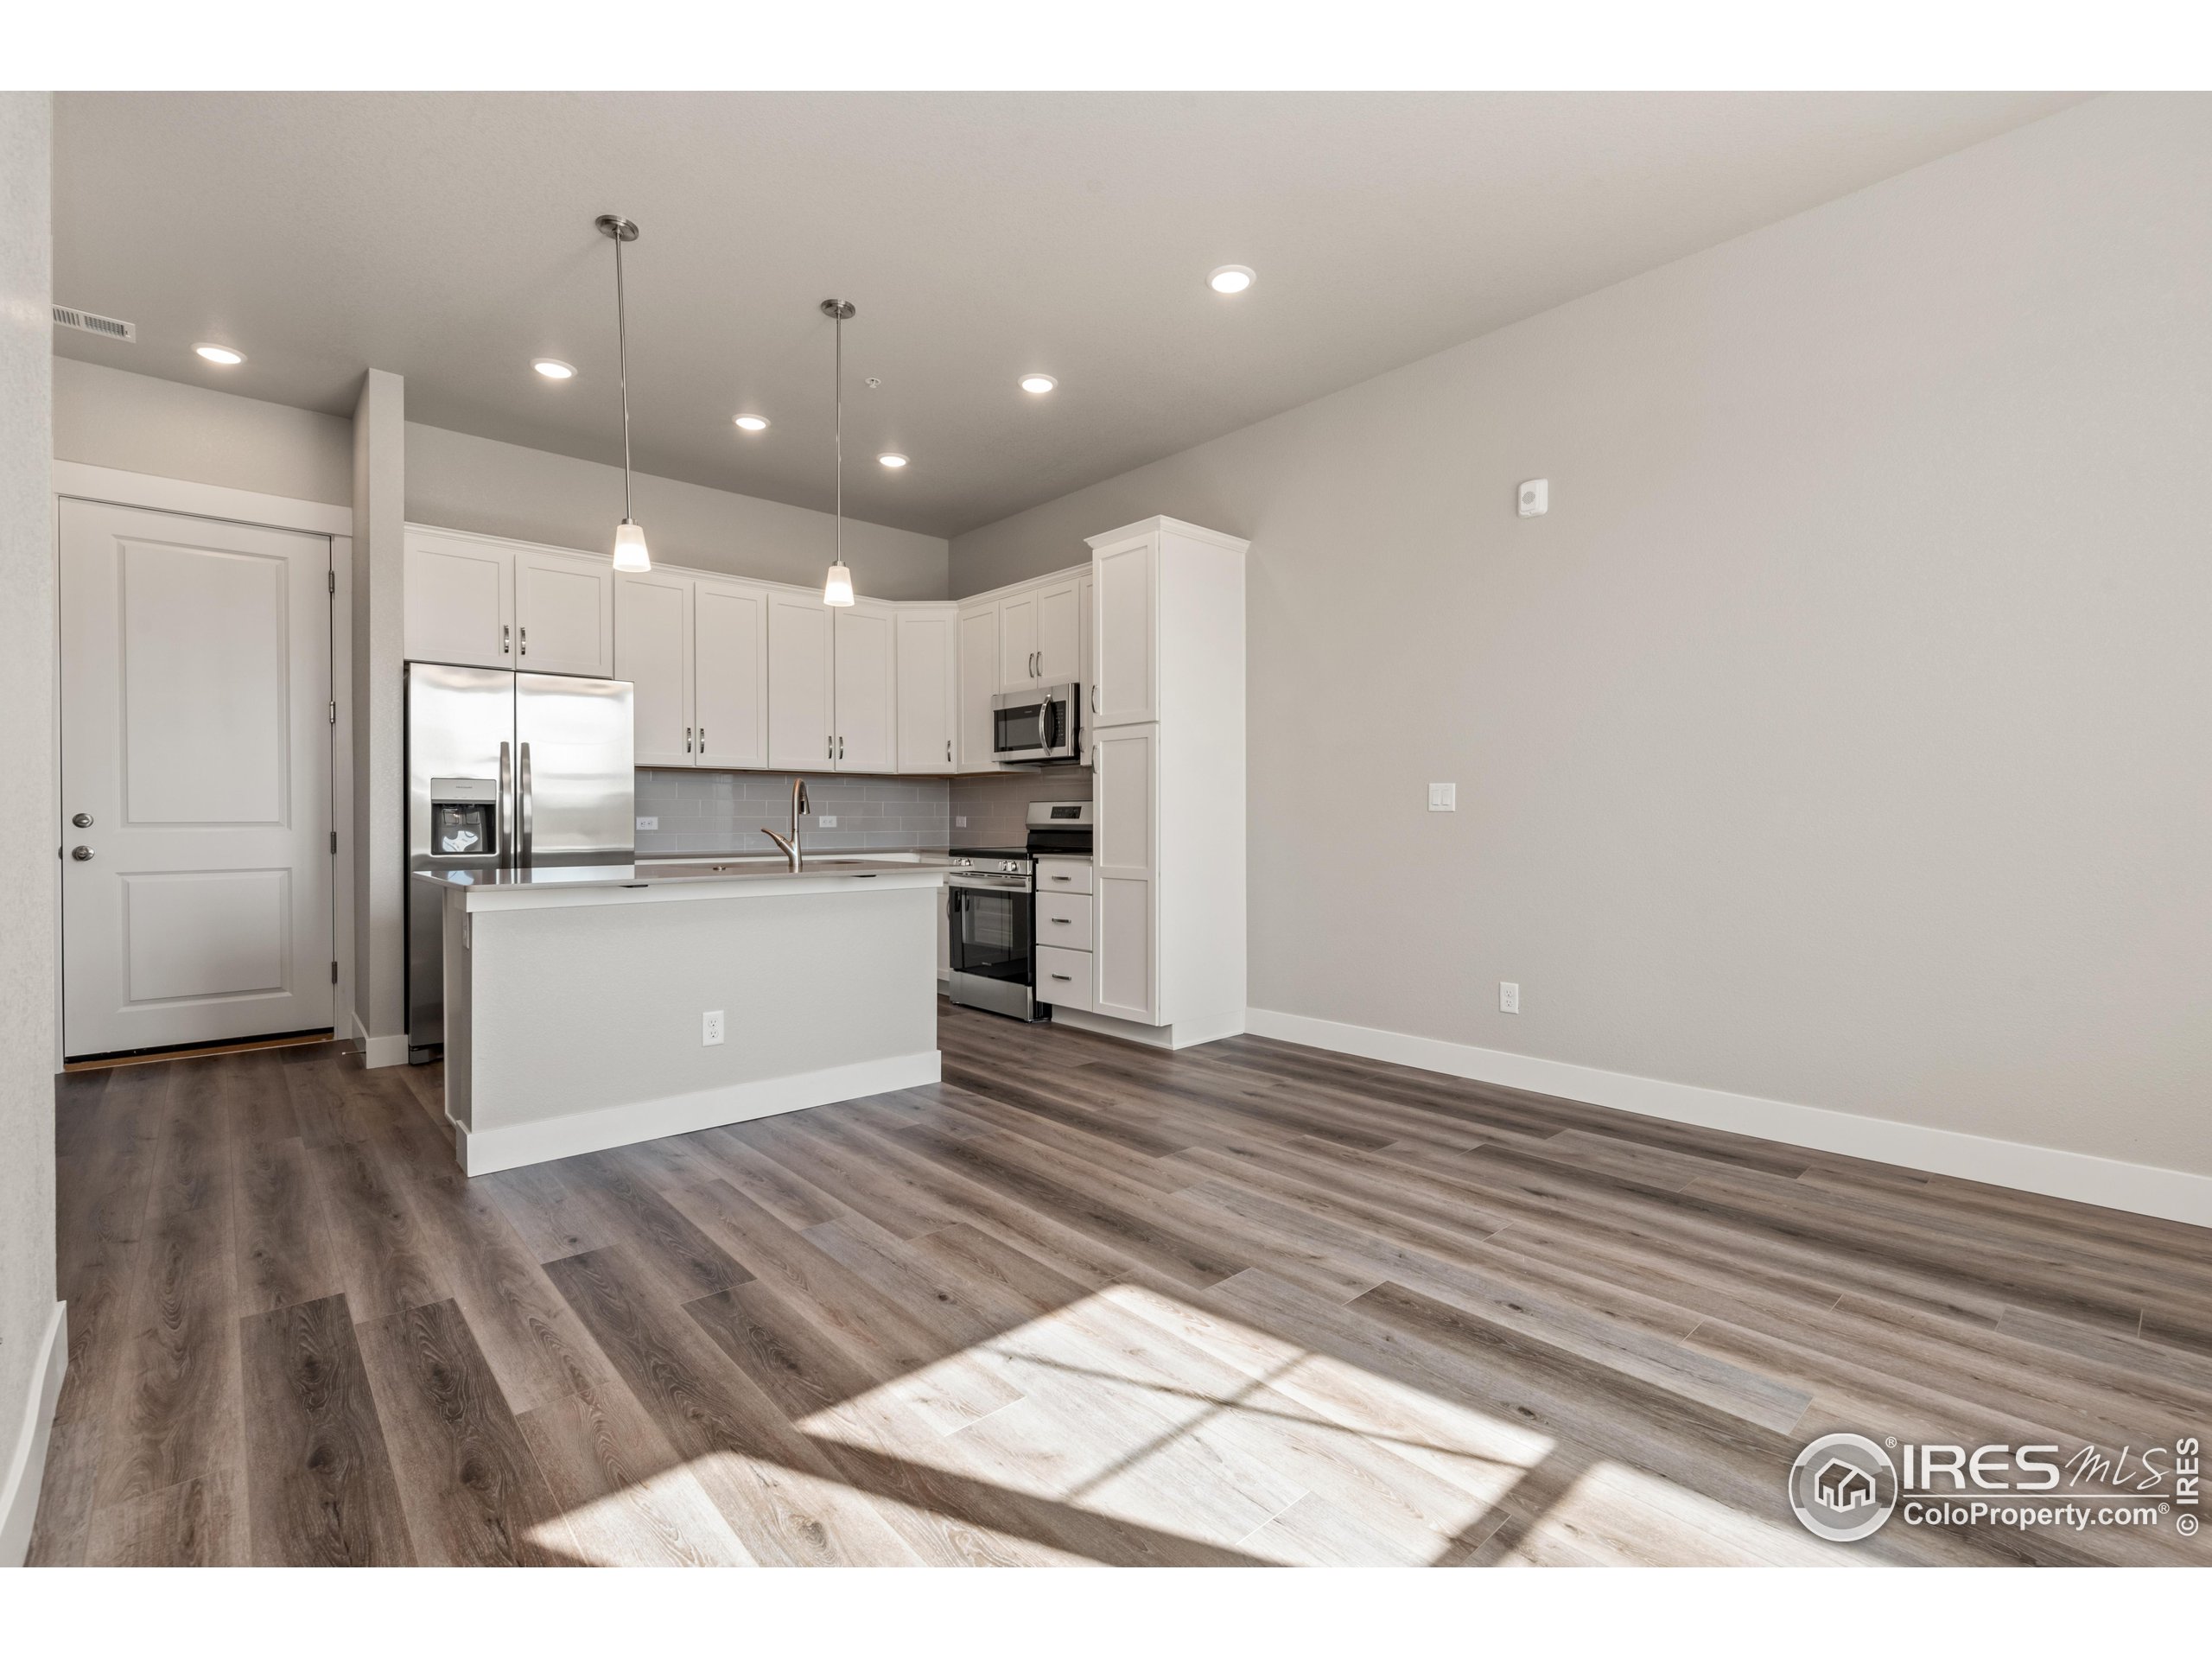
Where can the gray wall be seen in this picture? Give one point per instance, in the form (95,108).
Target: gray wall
(111,418)
(1841,736)
(501,489)
(27,869)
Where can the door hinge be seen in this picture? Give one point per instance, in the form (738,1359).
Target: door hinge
(333,972)
(333,843)
(334,711)
(332,576)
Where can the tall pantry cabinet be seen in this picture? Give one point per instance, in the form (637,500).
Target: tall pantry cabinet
(1168,759)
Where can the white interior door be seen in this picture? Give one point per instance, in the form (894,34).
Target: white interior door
(867,691)
(195,779)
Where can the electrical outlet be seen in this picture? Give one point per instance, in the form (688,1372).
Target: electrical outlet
(711,1028)
(648,823)
(1444,798)
(1508,997)
(1535,497)
(828,821)
(960,823)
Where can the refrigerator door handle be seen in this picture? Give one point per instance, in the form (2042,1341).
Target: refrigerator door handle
(521,798)
(506,806)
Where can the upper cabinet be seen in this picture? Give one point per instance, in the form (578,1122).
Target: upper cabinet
(927,649)
(979,683)
(801,692)
(494,604)
(695,650)
(865,712)
(1040,636)
(1124,656)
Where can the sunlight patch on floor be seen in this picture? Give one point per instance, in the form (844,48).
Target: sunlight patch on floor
(1141,1408)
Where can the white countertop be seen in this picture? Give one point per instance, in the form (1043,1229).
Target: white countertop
(701,878)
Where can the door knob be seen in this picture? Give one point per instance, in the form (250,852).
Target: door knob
(81,854)
(83,820)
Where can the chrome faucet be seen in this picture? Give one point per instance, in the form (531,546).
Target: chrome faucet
(799,805)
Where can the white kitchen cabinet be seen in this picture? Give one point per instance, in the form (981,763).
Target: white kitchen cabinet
(979,683)
(1125,793)
(865,714)
(1085,590)
(1126,602)
(490,603)
(927,648)
(564,613)
(1040,636)
(695,651)
(652,651)
(801,689)
(729,676)
(1169,922)
(460,603)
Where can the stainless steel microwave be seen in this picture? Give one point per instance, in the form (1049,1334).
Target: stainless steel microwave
(1038,725)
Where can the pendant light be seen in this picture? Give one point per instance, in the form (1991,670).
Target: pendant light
(630,554)
(837,588)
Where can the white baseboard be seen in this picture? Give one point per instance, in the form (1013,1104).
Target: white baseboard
(2143,1189)
(484,1151)
(27,1468)
(378,1050)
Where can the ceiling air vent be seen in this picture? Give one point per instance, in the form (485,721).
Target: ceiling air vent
(113,327)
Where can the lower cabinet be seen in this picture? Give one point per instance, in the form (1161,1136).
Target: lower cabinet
(1125,773)
(1064,976)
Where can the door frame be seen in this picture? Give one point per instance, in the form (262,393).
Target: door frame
(77,480)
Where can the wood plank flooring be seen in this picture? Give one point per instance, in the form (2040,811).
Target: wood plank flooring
(1081,1302)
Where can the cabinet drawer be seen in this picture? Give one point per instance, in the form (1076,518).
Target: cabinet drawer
(1064,976)
(1063,875)
(1064,919)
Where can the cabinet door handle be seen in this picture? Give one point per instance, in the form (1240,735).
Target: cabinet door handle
(506,638)
(702,740)
(948,750)
(525,642)
(687,740)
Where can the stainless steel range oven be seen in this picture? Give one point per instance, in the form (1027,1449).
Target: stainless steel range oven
(991,902)
(1037,724)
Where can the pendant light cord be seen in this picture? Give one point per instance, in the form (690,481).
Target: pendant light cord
(837,381)
(622,347)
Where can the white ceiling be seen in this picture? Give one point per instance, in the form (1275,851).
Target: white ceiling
(449,238)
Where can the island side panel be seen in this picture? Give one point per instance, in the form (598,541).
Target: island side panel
(457,1006)
(584,1022)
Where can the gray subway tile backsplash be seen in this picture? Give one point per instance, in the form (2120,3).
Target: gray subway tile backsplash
(724,812)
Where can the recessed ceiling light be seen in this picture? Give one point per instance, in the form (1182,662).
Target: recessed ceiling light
(753,424)
(891,458)
(554,369)
(1039,383)
(1232,279)
(222,354)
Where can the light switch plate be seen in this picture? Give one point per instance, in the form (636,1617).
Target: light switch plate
(648,823)
(1444,798)
(1535,497)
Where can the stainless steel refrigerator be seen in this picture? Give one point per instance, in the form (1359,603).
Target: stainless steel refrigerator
(506,771)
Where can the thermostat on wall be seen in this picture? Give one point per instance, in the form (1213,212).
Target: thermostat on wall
(1536,497)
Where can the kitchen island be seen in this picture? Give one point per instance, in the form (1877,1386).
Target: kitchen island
(581,1002)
